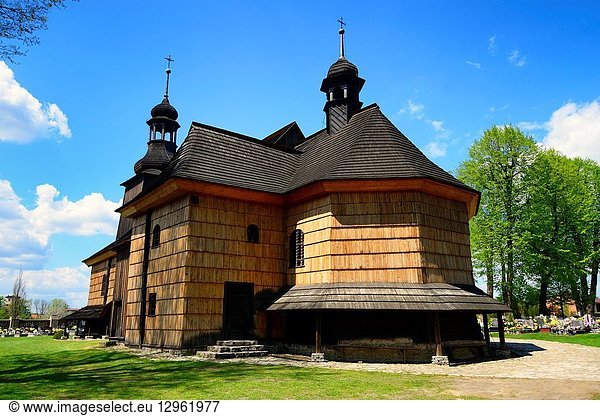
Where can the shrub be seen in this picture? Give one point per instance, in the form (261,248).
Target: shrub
(58,334)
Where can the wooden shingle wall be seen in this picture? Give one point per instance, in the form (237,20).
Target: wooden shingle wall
(444,232)
(315,219)
(166,276)
(409,237)
(100,270)
(219,253)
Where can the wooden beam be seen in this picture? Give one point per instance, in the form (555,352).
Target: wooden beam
(486,329)
(501,330)
(318,332)
(437,333)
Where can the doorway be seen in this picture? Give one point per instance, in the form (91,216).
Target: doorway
(238,310)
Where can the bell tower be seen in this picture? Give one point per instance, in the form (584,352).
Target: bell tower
(342,87)
(162,140)
(162,145)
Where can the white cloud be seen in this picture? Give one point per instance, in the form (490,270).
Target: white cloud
(23,117)
(531,126)
(417,111)
(516,59)
(25,233)
(473,64)
(492,44)
(413,109)
(435,149)
(68,283)
(574,130)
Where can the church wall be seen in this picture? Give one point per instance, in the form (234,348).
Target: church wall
(444,231)
(315,219)
(166,276)
(219,253)
(375,238)
(408,237)
(98,272)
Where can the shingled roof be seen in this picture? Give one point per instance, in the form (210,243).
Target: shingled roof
(387,296)
(368,147)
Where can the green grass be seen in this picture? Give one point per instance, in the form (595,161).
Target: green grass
(42,368)
(590,340)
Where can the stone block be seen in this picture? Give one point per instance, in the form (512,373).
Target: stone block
(440,360)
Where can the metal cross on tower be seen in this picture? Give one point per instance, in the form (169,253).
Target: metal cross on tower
(169,60)
(342,31)
(168,71)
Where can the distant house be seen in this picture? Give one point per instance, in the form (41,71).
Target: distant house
(348,241)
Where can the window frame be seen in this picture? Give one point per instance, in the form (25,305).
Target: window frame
(296,247)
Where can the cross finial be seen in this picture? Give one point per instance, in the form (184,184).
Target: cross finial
(341,32)
(169,60)
(168,71)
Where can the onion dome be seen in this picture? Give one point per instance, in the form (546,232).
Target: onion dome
(164,109)
(342,67)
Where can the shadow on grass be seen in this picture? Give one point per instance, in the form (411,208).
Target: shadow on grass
(76,371)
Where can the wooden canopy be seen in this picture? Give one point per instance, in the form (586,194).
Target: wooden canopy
(440,297)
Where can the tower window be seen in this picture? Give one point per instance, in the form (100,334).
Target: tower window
(151,304)
(338,93)
(297,248)
(252,232)
(156,236)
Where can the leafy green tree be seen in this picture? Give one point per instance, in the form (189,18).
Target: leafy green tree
(496,165)
(19,20)
(548,224)
(56,307)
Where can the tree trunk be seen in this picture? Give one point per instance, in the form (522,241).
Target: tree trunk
(594,273)
(543,295)
(489,271)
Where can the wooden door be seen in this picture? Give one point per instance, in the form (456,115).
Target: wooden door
(238,310)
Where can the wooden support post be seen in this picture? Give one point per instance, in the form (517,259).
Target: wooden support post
(437,333)
(318,332)
(269,327)
(486,329)
(501,331)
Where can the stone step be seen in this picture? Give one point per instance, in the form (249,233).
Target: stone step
(237,342)
(212,355)
(241,348)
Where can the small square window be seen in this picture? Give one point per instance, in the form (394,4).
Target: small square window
(151,304)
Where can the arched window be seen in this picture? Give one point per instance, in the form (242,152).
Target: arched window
(297,248)
(252,232)
(156,236)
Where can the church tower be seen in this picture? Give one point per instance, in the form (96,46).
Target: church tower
(162,140)
(342,87)
(162,145)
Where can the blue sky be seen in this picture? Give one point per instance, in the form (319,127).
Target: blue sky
(73,111)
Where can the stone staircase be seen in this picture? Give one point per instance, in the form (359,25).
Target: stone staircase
(233,349)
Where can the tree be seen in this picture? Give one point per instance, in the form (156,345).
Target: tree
(552,228)
(40,306)
(19,306)
(57,307)
(496,166)
(19,20)
(3,310)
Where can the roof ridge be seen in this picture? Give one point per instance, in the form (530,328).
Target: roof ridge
(279,132)
(242,137)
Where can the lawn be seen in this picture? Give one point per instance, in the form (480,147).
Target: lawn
(589,340)
(43,368)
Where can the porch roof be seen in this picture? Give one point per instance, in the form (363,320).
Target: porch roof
(387,296)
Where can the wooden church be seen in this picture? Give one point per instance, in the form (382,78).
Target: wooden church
(347,242)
